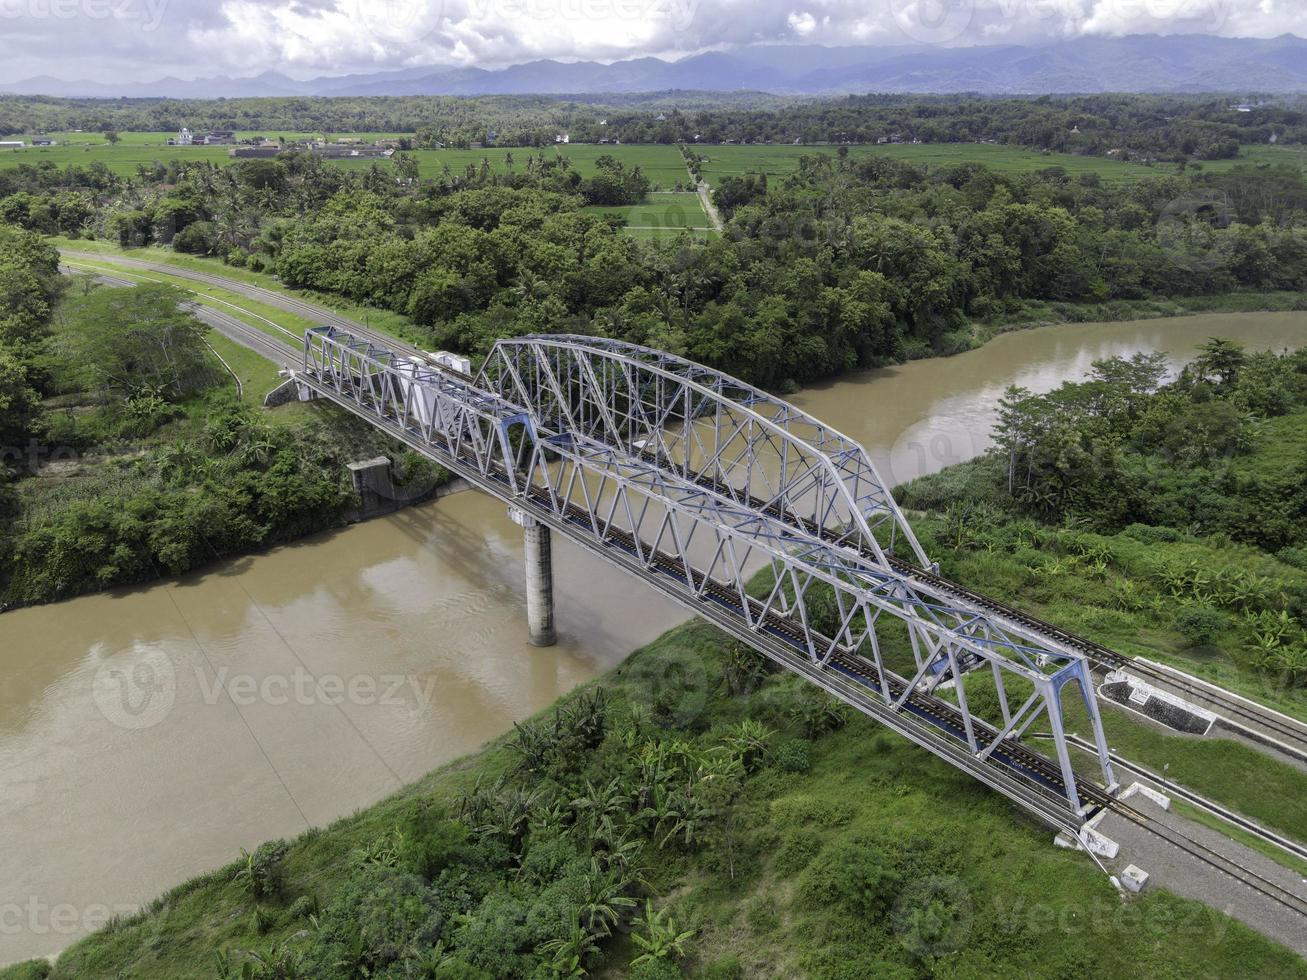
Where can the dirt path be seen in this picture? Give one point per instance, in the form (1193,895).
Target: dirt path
(709,208)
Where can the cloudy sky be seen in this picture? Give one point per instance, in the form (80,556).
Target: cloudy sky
(138,40)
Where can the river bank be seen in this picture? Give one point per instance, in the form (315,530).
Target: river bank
(431,594)
(799,860)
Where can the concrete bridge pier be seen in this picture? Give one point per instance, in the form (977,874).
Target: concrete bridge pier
(539,579)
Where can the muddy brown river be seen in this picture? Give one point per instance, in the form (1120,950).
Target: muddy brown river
(147,735)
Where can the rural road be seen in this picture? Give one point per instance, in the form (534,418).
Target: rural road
(709,208)
(280,352)
(269,297)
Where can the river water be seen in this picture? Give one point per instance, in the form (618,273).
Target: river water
(147,735)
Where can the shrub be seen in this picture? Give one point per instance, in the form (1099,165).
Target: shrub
(199,238)
(1199,625)
(1148,534)
(796,852)
(816,712)
(855,874)
(261,872)
(263,919)
(792,756)
(378,918)
(1297,557)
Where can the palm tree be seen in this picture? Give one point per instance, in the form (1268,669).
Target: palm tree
(531,288)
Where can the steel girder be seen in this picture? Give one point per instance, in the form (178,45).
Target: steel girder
(618,445)
(711,427)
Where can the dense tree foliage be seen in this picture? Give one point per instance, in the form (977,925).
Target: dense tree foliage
(1134,481)
(137,463)
(1122,448)
(840,264)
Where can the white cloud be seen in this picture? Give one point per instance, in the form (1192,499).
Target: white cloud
(307,37)
(802,24)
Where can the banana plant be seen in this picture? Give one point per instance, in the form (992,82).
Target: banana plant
(658,936)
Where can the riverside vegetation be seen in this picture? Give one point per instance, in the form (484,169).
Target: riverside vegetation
(126,453)
(698,813)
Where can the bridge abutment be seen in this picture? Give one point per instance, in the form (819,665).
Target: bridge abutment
(539,579)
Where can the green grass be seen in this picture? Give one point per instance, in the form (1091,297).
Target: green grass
(1044,581)
(770,895)
(1223,770)
(662,212)
(662,164)
(258,375)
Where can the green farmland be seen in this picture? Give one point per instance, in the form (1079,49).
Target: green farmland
(661,163)
(728,161)
(662,215)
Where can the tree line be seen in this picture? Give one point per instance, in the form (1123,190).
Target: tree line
(844,263)
(1169,127)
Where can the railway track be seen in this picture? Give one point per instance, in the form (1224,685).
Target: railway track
(1214,859)
(943,719)
(205,308)
(1027,765)
(1244,714)
(242,333)
(846,674)
(1177,791)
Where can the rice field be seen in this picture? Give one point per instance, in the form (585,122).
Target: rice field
(661,163)
(662,215)
(774,160)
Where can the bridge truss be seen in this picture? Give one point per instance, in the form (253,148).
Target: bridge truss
(753,514)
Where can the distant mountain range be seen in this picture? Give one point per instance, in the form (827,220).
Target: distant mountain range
(1138,63)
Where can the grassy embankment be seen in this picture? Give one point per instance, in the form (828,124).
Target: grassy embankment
(783,893)
(842,852)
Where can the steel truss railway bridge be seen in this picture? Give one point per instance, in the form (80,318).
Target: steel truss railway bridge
(754,515)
